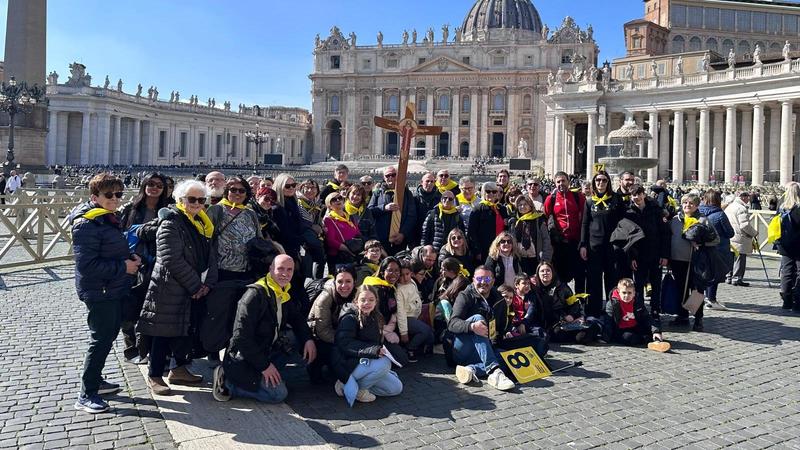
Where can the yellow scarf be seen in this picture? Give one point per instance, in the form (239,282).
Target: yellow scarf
(281,294)
(373,267)
(96,212)
(350,209)
(463,200)
(602,201)
(336,216)
(446,187)
(204,226)
(308,206)
(375,281)
(463,271)
(530,216)
(230,204)
(443,211)
(571,300)
(335,186)
(489,204)
(689,222)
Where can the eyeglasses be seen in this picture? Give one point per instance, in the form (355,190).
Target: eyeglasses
(390,175)
(448,199)
(444,175)
(290,185)
(533,184)
(109,195)
(193,200)
(505,241)
(366,183)
(483,280)
(337,200)
(237,190)
(153,184)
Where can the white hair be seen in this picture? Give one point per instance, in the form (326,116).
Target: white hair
(184,186)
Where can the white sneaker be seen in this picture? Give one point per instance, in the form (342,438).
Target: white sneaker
(720,306)
(499,380)
(339,388)
(365,396)
(465,374)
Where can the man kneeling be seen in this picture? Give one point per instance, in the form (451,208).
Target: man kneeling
(257,348)
(479,311)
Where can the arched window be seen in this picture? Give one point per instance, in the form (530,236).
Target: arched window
(727,45)
(526,103)
(465,103)
(444,102)
(678,44)
(695,44)
(712,44)
(334,105)
(394,103)
(365,104)
(744,48)
(499,102)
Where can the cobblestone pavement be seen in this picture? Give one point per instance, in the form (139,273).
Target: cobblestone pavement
(734,385)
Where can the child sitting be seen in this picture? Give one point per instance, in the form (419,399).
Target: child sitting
(627,319)
(415,334)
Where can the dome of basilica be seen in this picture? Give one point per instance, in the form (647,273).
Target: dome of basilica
(488,15)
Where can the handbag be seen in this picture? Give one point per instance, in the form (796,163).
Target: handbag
(693,302)
(354,245)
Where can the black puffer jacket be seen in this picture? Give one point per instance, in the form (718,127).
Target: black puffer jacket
(437,227)
(482,230)
(100,253)
(600,220)
(183,254)
(651,219)
(550,306)
(789,243)
(499,269)
(354,341)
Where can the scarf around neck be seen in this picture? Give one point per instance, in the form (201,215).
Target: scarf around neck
(602,200)
(443,210)
(376,281)
(446,187)
(201,221)
(462,200)
(350,209)
(336,216)
(230,204)
(530,216)
(281,294)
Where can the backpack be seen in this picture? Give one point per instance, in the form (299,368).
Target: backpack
(781,230)
(315,287)
(136,245)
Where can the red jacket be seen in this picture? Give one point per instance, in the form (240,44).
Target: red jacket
(568,212)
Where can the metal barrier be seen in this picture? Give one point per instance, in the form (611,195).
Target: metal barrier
(760,221)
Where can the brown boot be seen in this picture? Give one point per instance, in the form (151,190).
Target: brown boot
(158,386)
(181,375)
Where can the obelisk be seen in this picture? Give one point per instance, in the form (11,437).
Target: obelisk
(26,38)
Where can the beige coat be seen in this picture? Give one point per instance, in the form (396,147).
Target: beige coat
(739,215)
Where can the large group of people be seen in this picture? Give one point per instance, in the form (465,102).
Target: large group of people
(250,273)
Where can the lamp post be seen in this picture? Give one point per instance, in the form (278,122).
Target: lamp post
(258,137)
(16,98)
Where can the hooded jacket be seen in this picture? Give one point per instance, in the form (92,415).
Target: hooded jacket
(355,340)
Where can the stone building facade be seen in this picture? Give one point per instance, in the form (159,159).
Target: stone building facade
(483,82)
(106,125)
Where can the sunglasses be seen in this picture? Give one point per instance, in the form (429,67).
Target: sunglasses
(505,241)
(533,184)
(337,200)
(110,195)
(366,183)
(290,185)
(491,191)
(153,184)
(448,199)
(390,175)
(456,238)
(483,280)
(444,176)
(601,180)
(237,190)
(192,200)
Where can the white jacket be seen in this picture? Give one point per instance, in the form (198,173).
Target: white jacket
(739,215)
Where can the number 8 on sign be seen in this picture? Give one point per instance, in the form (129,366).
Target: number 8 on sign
(525,364)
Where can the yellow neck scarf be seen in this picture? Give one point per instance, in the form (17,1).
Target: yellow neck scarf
(350,209)
(230,204)
(463,271)
(375,281)
(281,294)
(308,206)
(462,200)
(602,201)
(96,212)
(530,216)
(373,267)
(488,203)
(442,210)
(446,187)
(689,222)
(204,226)
(571,300)
(335,186)
(336,216)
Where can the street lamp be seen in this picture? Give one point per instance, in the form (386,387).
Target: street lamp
(16,98)
(257,137)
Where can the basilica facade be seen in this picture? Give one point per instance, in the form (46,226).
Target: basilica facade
(482,82)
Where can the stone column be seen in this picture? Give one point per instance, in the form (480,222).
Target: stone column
(348,149)
(704,155)
(403,101)
(652,146)
(690,161)
(591,141)
(730,143)
(115,146)
(758,145)
(102,143)
(558,144)
(377,133)
(484,147)
(719,142)
(61,141)
(430,140)
(137,150)
(512,125)
(746,144)
(663,149)
(774,139)
(474,150)
(639,120)
(86,130)
(455,123)
(677,148)
(52,138)
(787,143)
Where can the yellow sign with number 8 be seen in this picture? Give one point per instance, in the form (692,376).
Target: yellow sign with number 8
(525,364)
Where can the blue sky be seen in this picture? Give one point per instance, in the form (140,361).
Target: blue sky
(258,51)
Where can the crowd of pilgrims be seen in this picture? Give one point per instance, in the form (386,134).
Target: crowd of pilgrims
(253,273)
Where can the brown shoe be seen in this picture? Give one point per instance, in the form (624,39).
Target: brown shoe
(181,375)
(158,386)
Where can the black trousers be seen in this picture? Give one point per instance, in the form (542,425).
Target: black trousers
(790,280)
(104,321)
(680,270)
(633,337)
(601,278)
(162,347)
(649,272)
(324,351)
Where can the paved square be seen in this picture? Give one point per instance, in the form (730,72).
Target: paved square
(734,385)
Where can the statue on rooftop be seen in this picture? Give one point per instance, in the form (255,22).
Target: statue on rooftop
(380,39)
(405,37)
(119,85)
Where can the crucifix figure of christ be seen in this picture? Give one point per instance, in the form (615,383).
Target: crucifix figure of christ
(407,128)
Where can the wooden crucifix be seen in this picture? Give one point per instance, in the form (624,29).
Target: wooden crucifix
(407,128)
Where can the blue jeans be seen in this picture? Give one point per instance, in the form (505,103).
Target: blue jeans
(376,375)
(475,351)
(420,334)
(265,392)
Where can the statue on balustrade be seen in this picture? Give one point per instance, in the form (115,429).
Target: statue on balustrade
(459,35)
(629,72)
(445,33)
(606,76)
(414,36)
(78,76)
(119,85)
(757,55)
(405,37)
(177,96)
(52,79)
(380,39)
(138,90)
(706,64)
(654,69)
(317,42)
(679,66)
(352,39)
(430,35)
(546,32)
(787,51)
(172,97)
(731,59)
(592,75)
(155,94)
